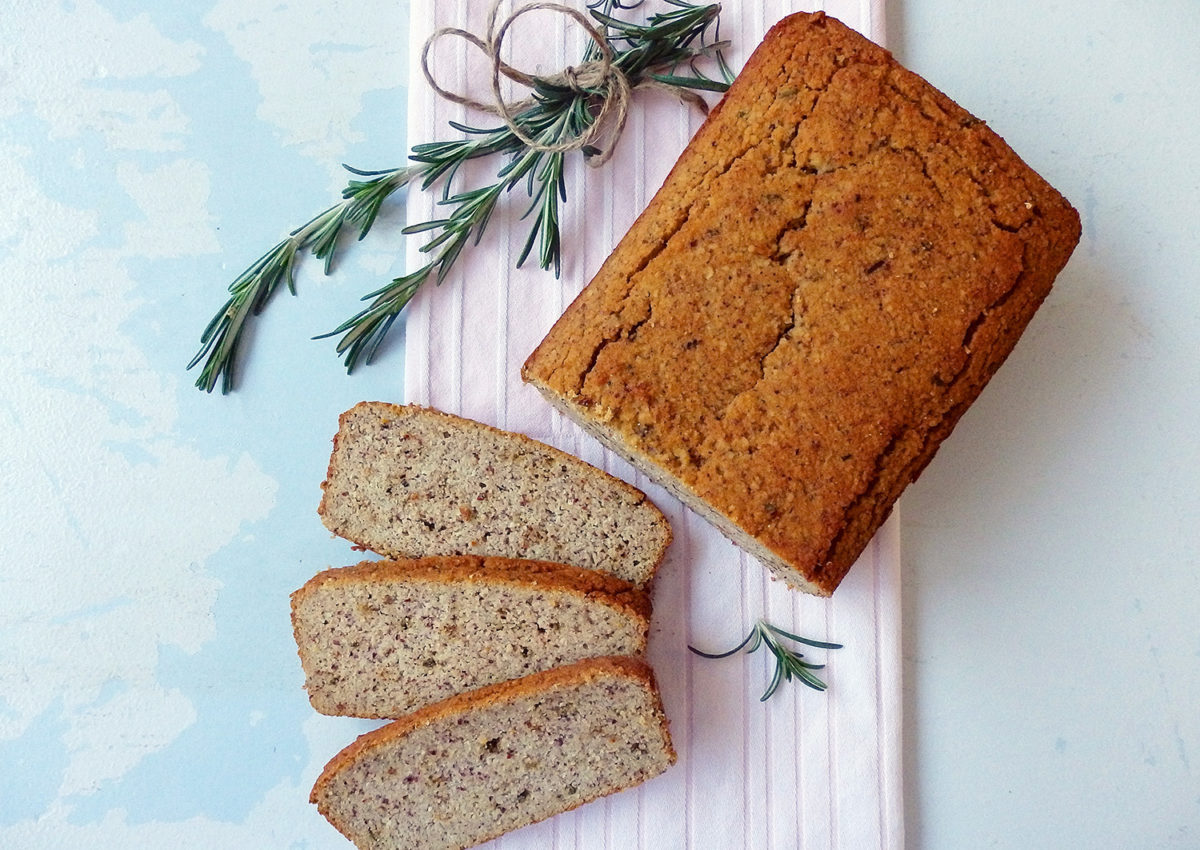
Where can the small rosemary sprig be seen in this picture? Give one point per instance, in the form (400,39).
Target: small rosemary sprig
(788,662)
(555,113)
(252,289)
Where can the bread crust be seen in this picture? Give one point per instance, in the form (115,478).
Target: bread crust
(831,273)
(473,569)
(341,682)
(339,511)
(505,692)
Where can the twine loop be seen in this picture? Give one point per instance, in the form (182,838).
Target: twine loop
(599,78)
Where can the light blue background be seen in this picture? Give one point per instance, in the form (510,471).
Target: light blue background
(237,774)
(1052,550)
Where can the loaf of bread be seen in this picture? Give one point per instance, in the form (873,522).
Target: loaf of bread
(835,267)
(384,638)
(409,481)
(465,770)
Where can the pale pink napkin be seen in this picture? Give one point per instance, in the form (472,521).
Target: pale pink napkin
(803,770)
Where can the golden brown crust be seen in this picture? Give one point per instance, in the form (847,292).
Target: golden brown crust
(831,273)
(472,569)
(572,674)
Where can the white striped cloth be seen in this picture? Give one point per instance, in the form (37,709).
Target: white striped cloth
(803,770)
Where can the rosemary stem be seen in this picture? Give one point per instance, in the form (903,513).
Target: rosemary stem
(789,663)
(556,116)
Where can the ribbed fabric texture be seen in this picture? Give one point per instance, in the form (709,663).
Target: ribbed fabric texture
(803,770)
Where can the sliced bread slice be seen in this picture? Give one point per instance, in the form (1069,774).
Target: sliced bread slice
(381,639)
(480,764)
(409,481)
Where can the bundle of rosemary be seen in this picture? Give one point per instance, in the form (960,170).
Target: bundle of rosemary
(563,114)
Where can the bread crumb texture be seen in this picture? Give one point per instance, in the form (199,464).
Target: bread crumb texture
(833,270)
(382,639)
(409,481)
(471,768)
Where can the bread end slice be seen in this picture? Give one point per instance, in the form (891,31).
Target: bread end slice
(481,764)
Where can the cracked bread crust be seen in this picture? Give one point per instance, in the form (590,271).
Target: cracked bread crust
(829,276)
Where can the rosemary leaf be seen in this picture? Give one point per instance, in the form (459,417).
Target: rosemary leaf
(701,83)
(555,114)
(789,664)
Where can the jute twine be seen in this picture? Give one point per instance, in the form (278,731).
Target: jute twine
(599,79)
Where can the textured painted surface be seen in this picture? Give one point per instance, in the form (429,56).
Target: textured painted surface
(149,691)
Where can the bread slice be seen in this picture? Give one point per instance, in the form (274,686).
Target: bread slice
(480,764)
(381,639)
(409,481)
(833,270)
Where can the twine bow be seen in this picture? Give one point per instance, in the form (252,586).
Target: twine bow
(598,78)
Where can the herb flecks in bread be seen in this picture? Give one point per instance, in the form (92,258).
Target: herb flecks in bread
(475,766)
(382,639)
(827,279)
(409,481)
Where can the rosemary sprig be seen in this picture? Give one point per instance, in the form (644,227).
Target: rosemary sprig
(555,113)
(253,288)
(788,662)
